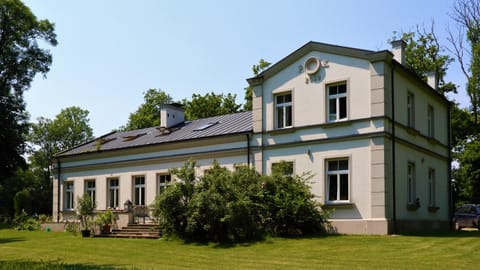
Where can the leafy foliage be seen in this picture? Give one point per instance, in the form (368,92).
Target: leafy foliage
(85,207)
(256,69)
(466,14)
(49,137)
(21,59)
(423,54)
(148,115)
(290,203)
(469,172)
(24,222)
(209,105)
(225,206)
(171,207)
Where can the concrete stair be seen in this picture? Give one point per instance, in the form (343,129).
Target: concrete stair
(144,231)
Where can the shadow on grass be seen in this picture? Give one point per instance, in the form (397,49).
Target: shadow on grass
(11,239)
(263,239)
(55,265)
(452,234)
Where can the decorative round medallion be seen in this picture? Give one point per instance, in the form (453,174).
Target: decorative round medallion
(312,65)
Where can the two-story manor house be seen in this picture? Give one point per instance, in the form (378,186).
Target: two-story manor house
(373,134)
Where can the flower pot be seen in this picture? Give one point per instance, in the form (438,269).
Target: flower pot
(85,233)
(106,229)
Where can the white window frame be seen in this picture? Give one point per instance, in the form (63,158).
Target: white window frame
(431,187)
(115,191)
(162,183)
(338,173)
(69,195)
(140,198)
(410,110)
(411,183)
(338,97)
(91,190)
(284,109)
(431,121)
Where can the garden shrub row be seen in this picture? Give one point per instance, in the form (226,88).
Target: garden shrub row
(225,206)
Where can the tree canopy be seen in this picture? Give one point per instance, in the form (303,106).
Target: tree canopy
(423,54)
(256,69)
(209,105)
(21,58)
(148,114)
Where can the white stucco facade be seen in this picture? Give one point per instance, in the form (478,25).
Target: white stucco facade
(373,135)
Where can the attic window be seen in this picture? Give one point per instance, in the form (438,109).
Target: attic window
(102,141)
(133,137)
(207,125)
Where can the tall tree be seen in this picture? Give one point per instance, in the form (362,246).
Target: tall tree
(424,54)
(209,105)
(148,114)
(21,59)
(467,16)
(69,128)
(466,48)
(256,69)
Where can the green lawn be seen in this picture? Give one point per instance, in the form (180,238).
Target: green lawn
(49,250)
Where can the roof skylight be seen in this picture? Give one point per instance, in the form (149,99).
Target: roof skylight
(133,137)
(207,125)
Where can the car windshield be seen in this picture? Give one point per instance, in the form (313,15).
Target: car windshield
(478,208)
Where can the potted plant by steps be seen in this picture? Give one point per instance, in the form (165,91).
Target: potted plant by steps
(105,220)
(85,207)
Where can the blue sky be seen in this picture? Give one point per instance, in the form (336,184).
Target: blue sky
(111,51)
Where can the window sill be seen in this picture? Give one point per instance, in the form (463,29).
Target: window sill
(432,140)
(413,131)
(433,208)
(282,130)
(330,205)
(344,122)
(412,206)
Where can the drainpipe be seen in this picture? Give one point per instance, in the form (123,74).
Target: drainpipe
(58,189)
(394,205)
(248,150)
(451,202)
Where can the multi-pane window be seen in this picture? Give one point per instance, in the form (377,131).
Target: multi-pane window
(431,121)
(69,198)
(411,183)
(410,110)
(139,190)
(286,168)
(90,189)
(337,175)
(164,180)
(283,110)
(113,193)
(431,187)
(337,102)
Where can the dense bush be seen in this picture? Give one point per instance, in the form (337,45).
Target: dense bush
(225,206)
(291,207)
(24,222)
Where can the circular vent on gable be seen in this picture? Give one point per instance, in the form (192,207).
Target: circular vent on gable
(312,65)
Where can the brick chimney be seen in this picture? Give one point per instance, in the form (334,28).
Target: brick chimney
(398,50)
(171,115)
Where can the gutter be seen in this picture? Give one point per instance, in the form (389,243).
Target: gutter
(394,205)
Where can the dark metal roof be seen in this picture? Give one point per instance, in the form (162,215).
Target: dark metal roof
(236,123)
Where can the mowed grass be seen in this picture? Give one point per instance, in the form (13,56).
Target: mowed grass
(50,250)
